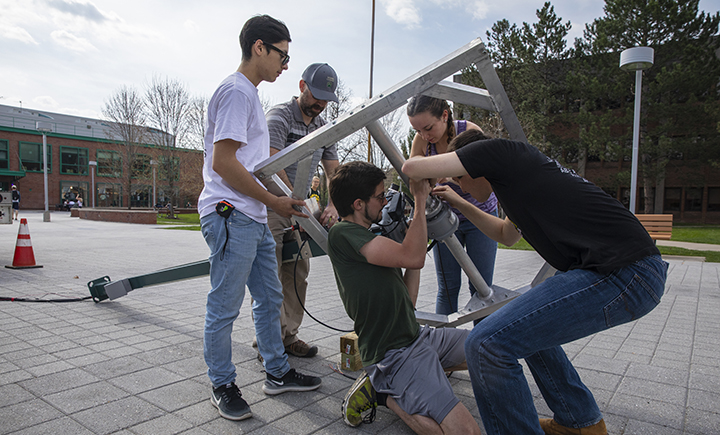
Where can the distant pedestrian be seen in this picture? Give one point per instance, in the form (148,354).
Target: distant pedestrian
(15,202)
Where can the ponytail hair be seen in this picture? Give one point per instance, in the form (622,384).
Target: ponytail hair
(434,106)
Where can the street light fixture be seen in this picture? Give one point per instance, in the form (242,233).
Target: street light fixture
(636,59)
(93,165)
(45,128)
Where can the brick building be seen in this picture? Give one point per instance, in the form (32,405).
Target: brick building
(73,145)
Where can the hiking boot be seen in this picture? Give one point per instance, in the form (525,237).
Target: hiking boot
(229,402)
(551,427)
(360,398)
(292,381)
(301,349)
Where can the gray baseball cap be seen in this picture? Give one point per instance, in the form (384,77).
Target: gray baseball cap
(322,81)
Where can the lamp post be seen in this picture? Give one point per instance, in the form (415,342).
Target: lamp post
(93,165)
(45,128)
(154,164)
(636,59)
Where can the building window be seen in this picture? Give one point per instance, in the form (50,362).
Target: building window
(693,199)
(141,166)
(109,163)
(169,168)
(31,157)
(672,199)
(140,195)
(4,155)
(109,195)
(73,161)
(72,191)
(713,199)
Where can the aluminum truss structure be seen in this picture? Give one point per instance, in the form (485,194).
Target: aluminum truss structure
(429,81)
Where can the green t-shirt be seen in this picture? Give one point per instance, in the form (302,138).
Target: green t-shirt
(375,297)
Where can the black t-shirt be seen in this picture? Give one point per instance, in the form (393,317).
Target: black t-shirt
(569,221)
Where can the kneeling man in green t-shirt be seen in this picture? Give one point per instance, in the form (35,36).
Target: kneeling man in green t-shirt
(404,364)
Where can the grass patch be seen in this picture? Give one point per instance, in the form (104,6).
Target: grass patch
(696,234)
(189,221)
(710,256)
(182,219)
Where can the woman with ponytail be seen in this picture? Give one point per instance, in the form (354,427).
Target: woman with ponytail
(433,121)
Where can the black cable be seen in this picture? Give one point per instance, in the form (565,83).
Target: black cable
(8,299)
(298,294)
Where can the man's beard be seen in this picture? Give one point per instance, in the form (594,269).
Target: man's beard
(311,111)
(377,218)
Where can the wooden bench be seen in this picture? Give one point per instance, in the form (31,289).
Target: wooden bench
(659,226)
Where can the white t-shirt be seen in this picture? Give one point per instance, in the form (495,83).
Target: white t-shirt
(235,112)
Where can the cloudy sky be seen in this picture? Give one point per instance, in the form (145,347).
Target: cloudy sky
(68,56)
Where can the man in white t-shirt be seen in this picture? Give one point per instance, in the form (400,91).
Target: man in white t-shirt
(233,213)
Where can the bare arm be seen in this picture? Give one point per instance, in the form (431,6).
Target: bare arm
(439,166)
(226,164)
(412,282)
(281,173)
(419,145)
(329,216)
(501,230)
(382,251)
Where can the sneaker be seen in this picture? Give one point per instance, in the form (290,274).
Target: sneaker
(301,349)
(229,402)
(292,381)
(360,398)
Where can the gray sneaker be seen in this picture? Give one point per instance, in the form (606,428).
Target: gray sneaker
(229,402)
(292,381)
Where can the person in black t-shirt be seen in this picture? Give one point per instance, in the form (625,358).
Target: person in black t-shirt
(15,202)
(610,273)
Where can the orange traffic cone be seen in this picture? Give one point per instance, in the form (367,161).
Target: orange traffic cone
(24,257)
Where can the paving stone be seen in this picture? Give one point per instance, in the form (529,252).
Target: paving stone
(121,414)
(64,425)
(55,382)
(28,413)
(167,424)
(145,380)
(176,396)
(87,396)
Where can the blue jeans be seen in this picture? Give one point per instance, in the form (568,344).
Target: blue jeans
(248,257)
(562,309)
(481,250)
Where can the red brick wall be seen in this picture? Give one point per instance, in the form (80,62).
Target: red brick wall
(31,186)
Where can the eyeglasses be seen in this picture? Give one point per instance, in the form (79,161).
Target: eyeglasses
(285,56)
(380,196)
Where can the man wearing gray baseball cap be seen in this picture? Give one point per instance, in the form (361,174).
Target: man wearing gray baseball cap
(287,123)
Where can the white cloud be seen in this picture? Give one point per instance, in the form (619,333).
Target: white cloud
(191,26)
(17,33)
(45,102)
(403,12)
(72,42)
(479,9)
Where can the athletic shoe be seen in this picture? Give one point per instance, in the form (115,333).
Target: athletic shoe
(229,402)
(301,349)
(292,381)
(360,398)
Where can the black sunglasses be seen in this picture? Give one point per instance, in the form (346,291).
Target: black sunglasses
(286,57)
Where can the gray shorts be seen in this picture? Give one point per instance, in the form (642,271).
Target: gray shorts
(414,376)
